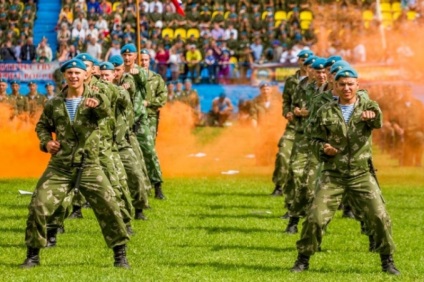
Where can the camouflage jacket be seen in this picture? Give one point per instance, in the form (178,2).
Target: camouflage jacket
(35,103)
(302,99)
(77,137)
(124,115)
(139,95)
(352,139)
(4,99)
(131,92)
(289,88)
(18,103)
(156,93)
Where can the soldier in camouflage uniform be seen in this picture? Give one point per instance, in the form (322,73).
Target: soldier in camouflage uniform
(191,98)
(141,121)
(341,139)
(18,102)
(50,91)
(299,154)
(35,100)
(73,117)
(285,144)
(4,99)
(131,163)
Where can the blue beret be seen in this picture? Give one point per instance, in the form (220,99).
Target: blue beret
(74,63)
(305,54)
(180,81)
(264,83)
(3,80)
(144,51)
(86,57)
(222,95)
(331,60)
(107,66)
(310,61)
(319,64)
(31,82)
(187,80)
(96,62)
(346,72)
(338,66)
(128,48)
(49,84)
(14,81)
(116,60)
(170,82)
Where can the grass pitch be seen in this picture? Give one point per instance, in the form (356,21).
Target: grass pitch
(216,229)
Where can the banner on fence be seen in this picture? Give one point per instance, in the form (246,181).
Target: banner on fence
(25,72)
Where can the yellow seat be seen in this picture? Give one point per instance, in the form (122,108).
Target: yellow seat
(280,16)
(305,16)
(387,19)
(227,14)
(115,6)
(367,15)
(411,15)
(17,31)
(264,15)
(396,15)
(181,32)
(21,4)
(193,31)
(385,7)
(277,24)
(234,61)
(168,31)
(214,14)
(304,25)
(289,14)
(396,7)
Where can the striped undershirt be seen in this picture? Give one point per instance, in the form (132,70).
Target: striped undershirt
(347,111)
(71,106)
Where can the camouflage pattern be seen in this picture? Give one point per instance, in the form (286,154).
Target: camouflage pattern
(76,138)
(346,173)
(141,128)
(19,104)
(35,103)
(156,96)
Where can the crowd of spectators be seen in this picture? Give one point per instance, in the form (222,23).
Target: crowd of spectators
(215,40)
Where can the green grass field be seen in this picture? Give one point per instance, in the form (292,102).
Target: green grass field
(218,229)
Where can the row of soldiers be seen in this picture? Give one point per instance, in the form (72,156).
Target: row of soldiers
(24,106)
(325,157)
(100,131)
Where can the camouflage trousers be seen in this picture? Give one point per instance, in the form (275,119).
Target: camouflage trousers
(147,146)
(282,162)
(298,161)
(135,176)
(153,126)
(365,197)
(54,186)
(139,155)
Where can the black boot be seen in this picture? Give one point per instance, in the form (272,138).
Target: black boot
(373,245)
(277,191)
(76,212)
(51,237)
(139,215)
(130,231)
(120,257)
(285,216)
(388,265)
(292,226)
(347,212)
(158,191)
(61,229)
(301,264)
(32,259)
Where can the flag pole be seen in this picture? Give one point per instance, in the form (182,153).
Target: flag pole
(137,36)
(381,27)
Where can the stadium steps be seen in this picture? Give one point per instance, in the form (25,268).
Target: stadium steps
(47,16)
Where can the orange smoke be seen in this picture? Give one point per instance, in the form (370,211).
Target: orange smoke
(20,153)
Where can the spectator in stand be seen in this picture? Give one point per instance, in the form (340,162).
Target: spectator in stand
(93,4)
(224,68)
(102,26)
(174,62)
(144,5)
(92,16)
(94,49)
(114,50)
(13,15)
(63,53)
(63,35)
(193,59)
(93,31)
(65,16)
(17,49)
(289,57)
(230,30)
(222,109)
(155,16)
(26,31)
(105,7)
(28,53)
(130,16)
(309,36)
(257,49)
(211,65)
(193,16)
(129,31)
(80,21)
(158,4)
(3,21)
(7,53)
(130,3)
(78,33)
(162,57)
(277,51)
(44,50)
(217,32)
